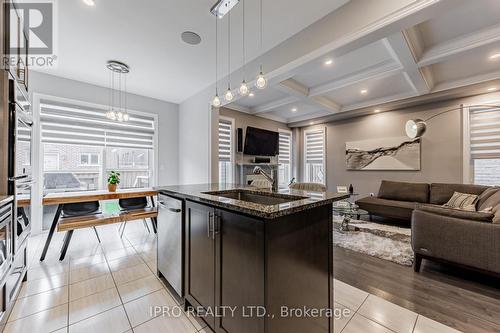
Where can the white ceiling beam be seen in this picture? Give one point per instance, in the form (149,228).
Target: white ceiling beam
(294,88)
(467,81)
(445,50)
(237,107)
(378,101)
(401,48)
(275,104)
(377,71)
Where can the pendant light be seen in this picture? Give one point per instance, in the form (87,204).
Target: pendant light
(229,94)
(244,91)
(261,81)
(216,100)
(117,111)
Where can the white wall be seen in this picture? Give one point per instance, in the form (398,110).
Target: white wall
(168,115)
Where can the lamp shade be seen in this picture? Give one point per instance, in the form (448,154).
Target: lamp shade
(415,128)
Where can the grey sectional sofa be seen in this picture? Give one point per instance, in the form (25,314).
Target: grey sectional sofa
(470,239)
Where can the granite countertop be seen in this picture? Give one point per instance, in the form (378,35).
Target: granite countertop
(304,199)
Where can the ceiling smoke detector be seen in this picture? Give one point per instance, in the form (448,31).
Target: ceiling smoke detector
(191,38)
(222,7)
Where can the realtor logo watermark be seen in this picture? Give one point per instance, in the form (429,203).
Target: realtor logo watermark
(32,34)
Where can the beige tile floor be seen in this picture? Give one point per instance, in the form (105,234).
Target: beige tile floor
(110,287)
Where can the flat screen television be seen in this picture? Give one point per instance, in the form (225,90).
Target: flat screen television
(261,142)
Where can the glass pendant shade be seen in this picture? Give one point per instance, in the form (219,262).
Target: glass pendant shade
(244,91)
(216,101)
(261,82)
(229,95)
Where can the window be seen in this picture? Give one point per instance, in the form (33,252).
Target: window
(80,146)
(285,157)
(225,150)
(90,159)
(50,161)
(314,156)
(484,147)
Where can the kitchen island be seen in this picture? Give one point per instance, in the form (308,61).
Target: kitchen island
(247,259)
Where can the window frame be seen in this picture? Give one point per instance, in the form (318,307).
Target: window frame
(37,149)
(232,153)
(89,156)
(304,155)
(468,174)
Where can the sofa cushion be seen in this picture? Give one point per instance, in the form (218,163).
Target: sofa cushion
(387,208)
(440,193)
(493,203)
(485,196)
(457,213)
(415,192)
(462,201)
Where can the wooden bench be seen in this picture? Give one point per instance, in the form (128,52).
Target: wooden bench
(70,224)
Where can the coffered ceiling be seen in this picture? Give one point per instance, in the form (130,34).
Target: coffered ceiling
(451,50)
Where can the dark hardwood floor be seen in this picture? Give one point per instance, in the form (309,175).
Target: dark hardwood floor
(465,300)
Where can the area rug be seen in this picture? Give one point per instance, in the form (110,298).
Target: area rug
(376,240)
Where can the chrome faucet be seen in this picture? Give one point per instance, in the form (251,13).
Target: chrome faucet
(272,179)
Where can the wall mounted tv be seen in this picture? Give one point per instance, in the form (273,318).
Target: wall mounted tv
(261,142)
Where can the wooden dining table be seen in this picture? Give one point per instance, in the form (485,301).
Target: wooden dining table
(60,199)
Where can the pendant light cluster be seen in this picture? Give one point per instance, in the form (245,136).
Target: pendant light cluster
(244,89)
(117,91)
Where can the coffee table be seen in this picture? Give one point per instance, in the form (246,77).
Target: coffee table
(347,210)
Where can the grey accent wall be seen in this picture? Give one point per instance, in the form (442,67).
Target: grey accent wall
(442,145)
(168,115)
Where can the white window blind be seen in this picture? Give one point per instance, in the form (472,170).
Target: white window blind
(285,146)
(314,149)
(225,140)
(285,157)
(485,133)
(76,124)
(485,145)
(315,146)
(225,151)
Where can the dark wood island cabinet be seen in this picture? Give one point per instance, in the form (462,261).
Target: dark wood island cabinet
(252,271)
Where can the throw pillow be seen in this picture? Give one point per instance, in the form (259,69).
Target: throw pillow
(462,201)
(483,197)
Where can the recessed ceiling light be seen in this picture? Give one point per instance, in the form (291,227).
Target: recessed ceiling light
(364,92)
(495,56)
(251,94)
(294,109)
(492,89)
(90,3)
(376,110)
(328,62)
(311,123)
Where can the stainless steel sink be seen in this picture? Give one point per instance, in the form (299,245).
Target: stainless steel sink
(258,198)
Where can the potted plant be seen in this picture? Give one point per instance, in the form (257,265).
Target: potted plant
(113,181)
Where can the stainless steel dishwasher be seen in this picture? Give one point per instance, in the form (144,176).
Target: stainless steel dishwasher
(170,242)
